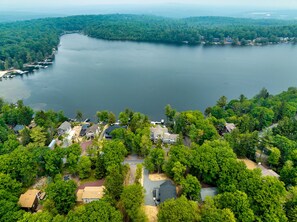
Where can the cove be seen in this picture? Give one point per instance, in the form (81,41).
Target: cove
(91,74)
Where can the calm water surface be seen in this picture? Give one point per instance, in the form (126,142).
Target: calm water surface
(91,74)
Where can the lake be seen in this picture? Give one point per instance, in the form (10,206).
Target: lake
(90,75)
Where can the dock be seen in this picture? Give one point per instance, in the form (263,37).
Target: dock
(3,73)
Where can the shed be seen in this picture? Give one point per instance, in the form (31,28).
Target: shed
(208,192)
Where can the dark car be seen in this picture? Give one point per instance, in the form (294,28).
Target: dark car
(156,194)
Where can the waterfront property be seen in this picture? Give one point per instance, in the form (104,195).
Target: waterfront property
(92,131)
(64,128)
(159,132)
(109,130)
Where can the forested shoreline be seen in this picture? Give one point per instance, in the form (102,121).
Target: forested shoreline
(32,41)
(205,154)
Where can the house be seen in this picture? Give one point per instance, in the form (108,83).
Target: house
(110,129)
(208,192)
(89,194)
(167,191)
(161,133)
(64,128)
(92,131)
(29,200)
(84,128)
(229,127)
(18,128)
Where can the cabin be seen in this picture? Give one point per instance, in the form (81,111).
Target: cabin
(161,133)
(167,191)
(64,128)
(92,131)
(29,200)
(89,194)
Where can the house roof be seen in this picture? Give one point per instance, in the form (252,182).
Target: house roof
(168,136)
(27,199)
(65,126)
(18,128)
(90,193)
(85,126)
(267,172)
(208,192)
(79,194)
(158,130)
(113,127)
(167,191)
(230,127)
(93,128)
(77,130)
(52,144)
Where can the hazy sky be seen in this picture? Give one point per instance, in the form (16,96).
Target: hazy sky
(50,3)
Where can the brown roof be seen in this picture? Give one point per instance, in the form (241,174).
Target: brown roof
(93,192)
(79,195)
(27,199)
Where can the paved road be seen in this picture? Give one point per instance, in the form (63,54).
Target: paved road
(149,186)
(133,160)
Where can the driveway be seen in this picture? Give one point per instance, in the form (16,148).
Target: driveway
(149,186)
(132,161)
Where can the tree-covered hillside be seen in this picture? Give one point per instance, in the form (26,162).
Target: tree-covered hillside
(32,41)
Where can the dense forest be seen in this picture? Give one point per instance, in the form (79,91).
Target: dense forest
(204,155)
(26,42)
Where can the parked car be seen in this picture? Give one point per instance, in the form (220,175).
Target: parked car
(156,194)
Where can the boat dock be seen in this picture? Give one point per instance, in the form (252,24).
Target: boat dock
(3,73)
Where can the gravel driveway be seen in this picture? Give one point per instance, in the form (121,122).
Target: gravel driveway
(149,186)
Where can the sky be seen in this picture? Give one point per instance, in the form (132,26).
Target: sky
(288,4)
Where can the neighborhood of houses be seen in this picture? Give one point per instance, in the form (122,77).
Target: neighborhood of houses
(158,187)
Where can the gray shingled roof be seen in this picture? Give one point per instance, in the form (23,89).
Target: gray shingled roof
(167,191)
(208,192)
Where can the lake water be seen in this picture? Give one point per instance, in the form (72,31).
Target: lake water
(91,75)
